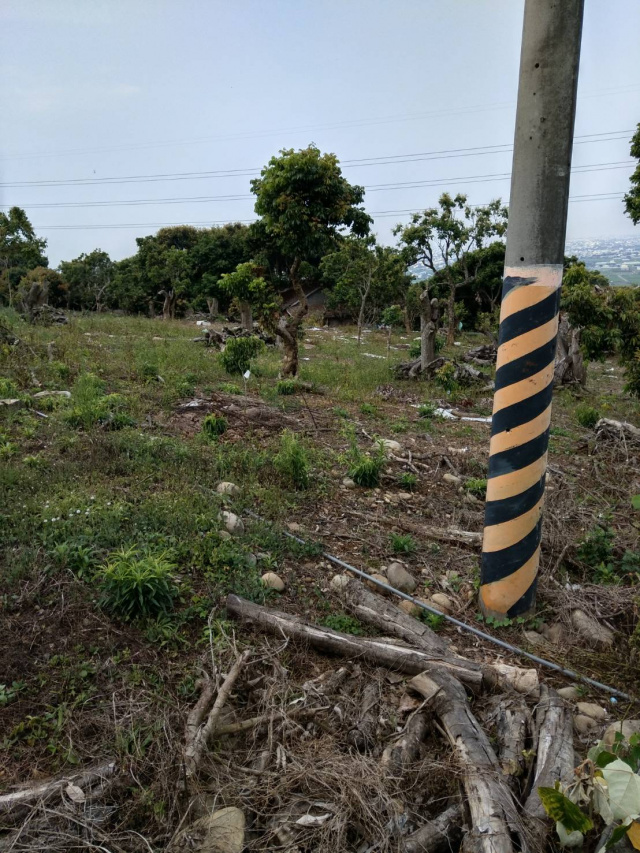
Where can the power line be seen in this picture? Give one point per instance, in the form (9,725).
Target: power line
(211,222)
(434,182)
(382,160)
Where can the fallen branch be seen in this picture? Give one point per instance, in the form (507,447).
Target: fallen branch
(9,803)
(256,722)
(512,727)
(194,750)
(441,534)
(439,835)
(399,755)
(491,804)
(362,735)
(380,652)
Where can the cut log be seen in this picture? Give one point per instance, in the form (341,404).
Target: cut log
(621,431)
(13,802)
(439,835)
(512,727)
(554,751)
(362,735)
(399,755)
(491,805)
(441,534)
(380,652)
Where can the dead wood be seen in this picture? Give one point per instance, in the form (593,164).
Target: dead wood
(554,750)
(512,727)
(362,735)
(491,804)
(399,755)
(195,748)
(379,651)
(16,800)
(621,431)
(439,835)
(264,719)
(441,534)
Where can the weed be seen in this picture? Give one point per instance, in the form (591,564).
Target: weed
(445,377)
(432,620)
(477,487)
(559,431)
(230,388)
(426,410)
(292,462)
(403,543)
(138,585)
(339,412)
(407,481)
(239,352)
(214,426)
(596,548)
(9,692)
(81,560)
(587,416)
(286,387)
(369,409)
(343,623)
(8,388)
(365,470)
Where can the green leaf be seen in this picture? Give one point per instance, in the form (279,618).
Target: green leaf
(562,810)
(624,789)
(604,758)
(617,835)
(635,501)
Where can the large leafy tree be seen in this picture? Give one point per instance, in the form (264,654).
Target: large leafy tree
(364,277)
(445,240)
(305,206)
(217,252)
(632,198)
(20,250)
(88,279)
(248,289)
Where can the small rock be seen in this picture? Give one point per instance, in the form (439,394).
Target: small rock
(224,534)
(42,394)
(11,403)
(376,577)
(404,496)
(554,633)
(472,500)
(400,578)
(273,581)
(228,489)
(571,694)
(262,555)
(232,522)
(626,728)
(220,832)
(534,638)
(583,724)
(294,527)
(339,582)
(451,478)
(590,630)
(348,483)
(410,608)
(390,444)
(442,602)
(590,709)
(252,560)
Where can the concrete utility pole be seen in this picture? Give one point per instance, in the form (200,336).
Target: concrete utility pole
(530,300)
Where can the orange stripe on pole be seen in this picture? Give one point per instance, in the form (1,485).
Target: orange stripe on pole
(500,596)
(509,439)
(508,485)
(517,347)
(507,533)
(519,391)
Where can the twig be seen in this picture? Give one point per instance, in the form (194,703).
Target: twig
(255,722)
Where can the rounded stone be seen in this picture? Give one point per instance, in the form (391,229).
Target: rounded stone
(583,724)
(348,483)
(226,488)
(410,608)
(626,728)
(339,582)
(391,445)
(590,709)
(224,534)
(232,522)
(399,577)
(451,478)
(570,694)
(442,602)
(273,581)
(376,577)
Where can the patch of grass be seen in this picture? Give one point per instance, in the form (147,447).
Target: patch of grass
(587,416)
(477,487)
(344,623)
(229,388)
(214,426)
(434,622)
(408,481)
(369,409)
(403,543)
(292,461)
(134,584)
(339,412)
(286,387)
(426,410)
(239,352)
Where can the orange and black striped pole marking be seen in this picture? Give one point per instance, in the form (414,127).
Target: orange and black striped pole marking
(519,438)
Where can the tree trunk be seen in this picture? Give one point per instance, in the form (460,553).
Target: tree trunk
(569,365)
(212,306)
(428,310)
(287,328)
(169,304)
(451,309)
(363,301)
(246,316)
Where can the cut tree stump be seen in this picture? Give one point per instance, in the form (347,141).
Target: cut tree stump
(378,651)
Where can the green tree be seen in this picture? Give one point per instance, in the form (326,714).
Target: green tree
(248,289)
(445,240)
(88,279)
(632,198)
(20,250)
(305,204)
(48,282)
(217,251)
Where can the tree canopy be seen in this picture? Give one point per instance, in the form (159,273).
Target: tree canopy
(632,198)
(20,250)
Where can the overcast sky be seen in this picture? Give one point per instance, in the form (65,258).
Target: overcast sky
(127,88)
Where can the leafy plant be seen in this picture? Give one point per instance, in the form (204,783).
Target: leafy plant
(230,388)
(292,461)
(344,623)
(587,416)
(408,481)
(135,584)
(368,409)
(477,487)
(445,377)
(239,352)
(403,543)
(214,426)
(286,387)
(9,692)
(426,410)
(80,559)
(364,469)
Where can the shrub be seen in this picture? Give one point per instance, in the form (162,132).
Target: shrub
(214,426)
(597,546)
(402,543)
(426,410)
(477,487)
(368,409)
(286,387)
(344,623)
(238,353)
(445,377)
(137,585)
(91,405)
(366,472)
(230,388)
(587,416)
(292,461)
(408,481)
(8,388)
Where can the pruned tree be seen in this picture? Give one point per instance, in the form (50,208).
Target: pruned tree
(305,205)
(88,279)
(445,240)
